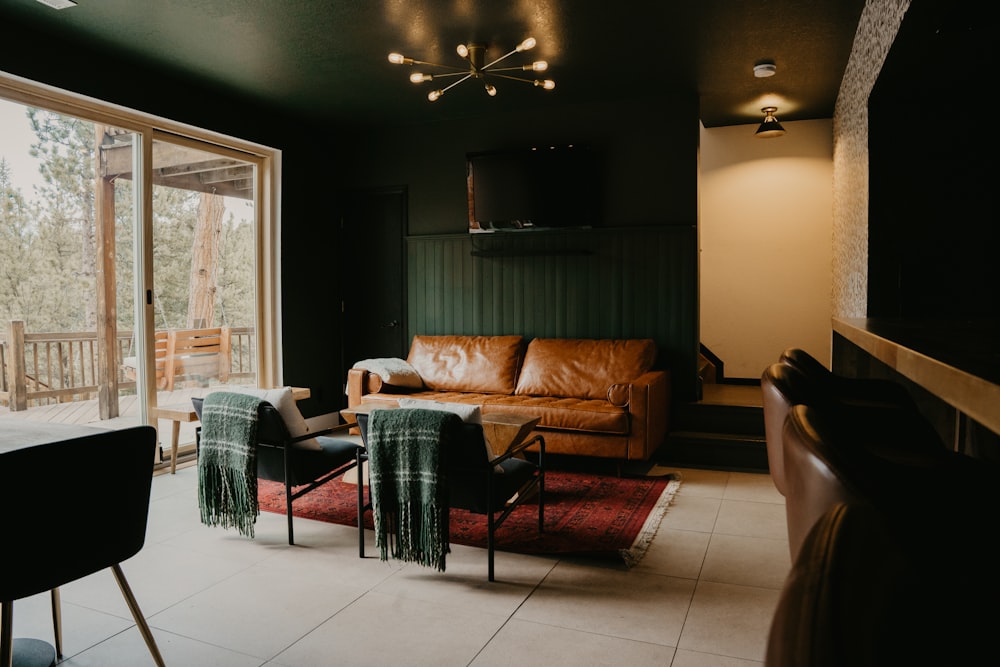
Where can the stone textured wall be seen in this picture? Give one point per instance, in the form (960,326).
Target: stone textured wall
(877,29)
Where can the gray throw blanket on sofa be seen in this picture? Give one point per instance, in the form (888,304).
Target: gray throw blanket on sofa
(227,461)
(408,483)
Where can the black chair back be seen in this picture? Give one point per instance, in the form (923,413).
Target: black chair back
(88,493)
(483,485)
(272,432)
(87,496)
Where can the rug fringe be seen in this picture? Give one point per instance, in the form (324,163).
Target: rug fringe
(635,553)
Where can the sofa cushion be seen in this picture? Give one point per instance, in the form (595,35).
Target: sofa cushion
(583,368)
(467,363)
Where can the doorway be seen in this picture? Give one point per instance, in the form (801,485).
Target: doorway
(373,312)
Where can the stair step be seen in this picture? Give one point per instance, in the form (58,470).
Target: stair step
(712,434)
(725,451)
(711,418)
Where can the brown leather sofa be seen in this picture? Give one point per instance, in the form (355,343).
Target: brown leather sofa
(595,397)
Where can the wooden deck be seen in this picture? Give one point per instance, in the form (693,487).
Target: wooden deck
(86,412)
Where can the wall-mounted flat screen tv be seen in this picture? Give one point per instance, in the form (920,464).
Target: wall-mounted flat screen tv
(537,188)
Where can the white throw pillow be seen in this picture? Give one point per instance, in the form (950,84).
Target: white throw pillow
(470,414)
(283,401)
(394,371)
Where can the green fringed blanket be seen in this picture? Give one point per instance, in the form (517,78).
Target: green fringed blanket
(408,483)
(227,462)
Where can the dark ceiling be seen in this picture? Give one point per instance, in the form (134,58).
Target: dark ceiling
(327,59)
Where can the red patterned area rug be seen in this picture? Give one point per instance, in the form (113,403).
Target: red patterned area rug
(585,514)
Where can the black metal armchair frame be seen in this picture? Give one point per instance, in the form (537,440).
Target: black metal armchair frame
(300,470)
(475,484)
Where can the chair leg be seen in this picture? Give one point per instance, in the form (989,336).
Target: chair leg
(57,622)
(6,628)
(288,510)
(140,620)
(361,505)
(541,502)
(288,491)
(489,542)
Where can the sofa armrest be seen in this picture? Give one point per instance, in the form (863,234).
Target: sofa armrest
(359,383)
(649,411)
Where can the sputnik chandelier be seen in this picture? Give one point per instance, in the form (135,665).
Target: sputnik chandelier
(475,55)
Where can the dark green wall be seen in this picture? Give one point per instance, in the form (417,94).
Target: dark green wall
(636,276)
(650,148)
(640,280)
(602,283)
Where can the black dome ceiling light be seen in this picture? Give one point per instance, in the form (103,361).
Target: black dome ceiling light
(770,127)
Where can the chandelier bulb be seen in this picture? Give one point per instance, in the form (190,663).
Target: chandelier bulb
(434,95)
(547,84)
(419,77)
(399,59)
(526,44)
(491,90)
(538,66)
(463,50)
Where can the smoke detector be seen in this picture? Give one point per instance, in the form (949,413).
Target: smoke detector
(764,70)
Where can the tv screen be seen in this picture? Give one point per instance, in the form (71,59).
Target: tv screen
(551,187)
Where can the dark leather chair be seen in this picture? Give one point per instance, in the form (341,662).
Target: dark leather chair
(852,597)
(485,484)
(889,460)
(784,385)
(300,470)
(836,453)
(82,509)
(873,392)
(904,574)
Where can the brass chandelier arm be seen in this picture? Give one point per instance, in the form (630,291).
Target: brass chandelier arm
(466,72)
(506,55)
(454,83)
(457,70)
(536,82)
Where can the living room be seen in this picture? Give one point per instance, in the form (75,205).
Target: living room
(665,265)
(680,244)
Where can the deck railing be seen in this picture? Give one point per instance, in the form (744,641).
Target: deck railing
(42,368)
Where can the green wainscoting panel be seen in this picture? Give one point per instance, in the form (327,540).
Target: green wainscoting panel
(589,283)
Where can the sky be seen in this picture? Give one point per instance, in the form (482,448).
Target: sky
(15,140)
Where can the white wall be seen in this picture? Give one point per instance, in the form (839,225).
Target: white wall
(765,227)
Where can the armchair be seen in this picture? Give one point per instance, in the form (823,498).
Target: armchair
(302,462)
(478,481)
(88,513)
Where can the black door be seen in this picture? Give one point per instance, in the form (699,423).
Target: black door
(374,305)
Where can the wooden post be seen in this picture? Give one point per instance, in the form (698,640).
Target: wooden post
(107,309)
(18,387)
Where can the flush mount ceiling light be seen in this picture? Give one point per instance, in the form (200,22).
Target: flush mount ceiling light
(770,127)
(475,55)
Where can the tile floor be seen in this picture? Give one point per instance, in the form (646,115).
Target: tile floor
(703,596)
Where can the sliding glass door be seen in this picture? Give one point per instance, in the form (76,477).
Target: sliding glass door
(134,263)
